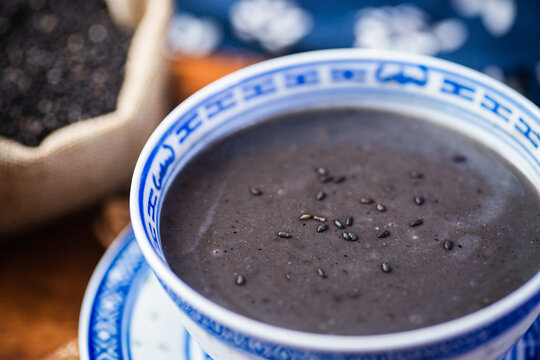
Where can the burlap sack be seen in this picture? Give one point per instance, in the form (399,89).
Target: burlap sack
(78,164)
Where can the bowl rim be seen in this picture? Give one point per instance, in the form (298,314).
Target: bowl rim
(313,341)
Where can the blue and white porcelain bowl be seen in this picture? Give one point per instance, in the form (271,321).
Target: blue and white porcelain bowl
(424,87)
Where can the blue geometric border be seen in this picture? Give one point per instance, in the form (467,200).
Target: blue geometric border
(105,336)
(442,350)
(302,75)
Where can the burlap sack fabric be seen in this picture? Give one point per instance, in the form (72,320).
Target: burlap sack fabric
(78,164)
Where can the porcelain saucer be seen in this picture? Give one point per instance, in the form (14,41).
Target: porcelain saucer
(127,315)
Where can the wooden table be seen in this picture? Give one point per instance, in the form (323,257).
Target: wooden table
(43,276)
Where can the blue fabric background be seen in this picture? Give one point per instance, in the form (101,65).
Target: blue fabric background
(516,53)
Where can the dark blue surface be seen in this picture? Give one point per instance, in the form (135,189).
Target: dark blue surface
(512,52)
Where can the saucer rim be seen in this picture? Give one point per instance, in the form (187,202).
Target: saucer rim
(92,288)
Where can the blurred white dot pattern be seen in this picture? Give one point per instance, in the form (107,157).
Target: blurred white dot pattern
(407,28)
(494,71)
(274,24)
(497,16)
(451,33)
(192,35)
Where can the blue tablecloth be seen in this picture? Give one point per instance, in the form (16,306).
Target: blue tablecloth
(498,37)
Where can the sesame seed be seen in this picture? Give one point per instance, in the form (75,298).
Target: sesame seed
(418,200)
(416,175)
(240,280)
(322,171)
(305,216)
(346,236)
(366,201)
(283,234)
(381,207)
(321,195)
(349,221)
(319,218)
(325,179)
(352,237)
(321,273)
(384,234)
(287,276)
(255,191)
(417,222)
(339,224)
(448,245)
(340,179)
(322,228)
(97,33)
(386,268)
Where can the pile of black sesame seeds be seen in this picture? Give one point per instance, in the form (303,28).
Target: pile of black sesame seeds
(324,178)
(62,61)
